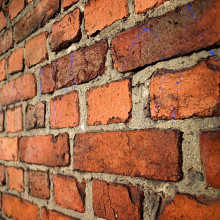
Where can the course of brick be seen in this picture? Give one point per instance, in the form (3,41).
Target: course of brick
(109,109)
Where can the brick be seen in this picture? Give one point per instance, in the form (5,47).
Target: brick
(6,41)
(210,154)
(39,184)
(35,19)
(9,148)
(116,201)
(66,31)
(185,30)
(181,94)
(16,178)
(36,50)
(14,120)
(2,69)
(19,89)
(112,9)
(15,61)
(2,175)
(114,109)
(72,195)
(142,6)
(68,3)
(53,215)
(3,19)
(35,116)
(2,119)
(1,204)
(19,209)
(152,154)
(78,67)
(64,111)
(15,7)
(186,207)
(32,150)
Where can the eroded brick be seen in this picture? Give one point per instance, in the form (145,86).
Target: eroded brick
(6,41)
(15,7)
(2,175)
(15,61)
(2,69)
(9,148)
(16,178)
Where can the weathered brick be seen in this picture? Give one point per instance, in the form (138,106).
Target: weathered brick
(36,50)
(1,204)
(16,178)
(152,154)
(3,19)
(2,69)
(142,6)
(2,119)
(15,7)
(19,89)
(114,109)
(39,184)
(181,94)
(33,150)
(66,31)
(19,209)
(14,120)
(68,3)
(2,175)
(6,41)
(35,117)
(116,201)
(64,111)
(186,207)
(72,195)
(79,67)
(187,29)
(210,154)
(53,215)
(112,9)
(15,61)
(9,148)
(35,19)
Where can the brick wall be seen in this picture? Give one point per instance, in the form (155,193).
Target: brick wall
(109,109)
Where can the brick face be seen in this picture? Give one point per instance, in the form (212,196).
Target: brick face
(6,41)
(2,175)
(9,148)
(101,152)
(16,178)
(68,3)
(53,215)
(15,61)
(2,69)
(15,7)
(3,20)
(142,6)
(2,118)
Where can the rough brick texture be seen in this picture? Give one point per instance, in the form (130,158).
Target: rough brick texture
(33,150)
(16,178)
(114,201)
(182,94)
(6,41)
(15,61)
(174,34)
(14,120)
(95,9)
(151,154)
(66,31)
(9,148)
(2,175)
(39,184)
(142,6)
(116,108)
(64,111)
(210,154)
(53,215)
(2,119)
(3,19)
(68,3)
(2,69)
(19,89)
(72,195)
(15,7)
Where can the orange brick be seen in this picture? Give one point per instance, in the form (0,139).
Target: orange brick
(2,119)
(9,148)
(2,69)
(68,3)
(6,41)
(2,175)
(15,61)
(53,215)
(16,178)
(142,6)
(15,7)
(3,20)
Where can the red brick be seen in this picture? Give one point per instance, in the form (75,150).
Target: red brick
(36,50)
(114,109)
(112,9)
(33,150)
(68,3)
(19,89)
(72,195)
(64,111)
(35,18)
(151,154)
(210,154)
(2,121)
(185,207)
(35,117)
(15,61)
(187,29)
(39,184)
(66,31)
(6,41)
(53,215)
(79,67)
(142,6)
(181,94)
(16,178)
(116,201)
(19,209)
(14,120)
(2,175)
(3,19)
(2,69)
(9,148)
(15,7)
